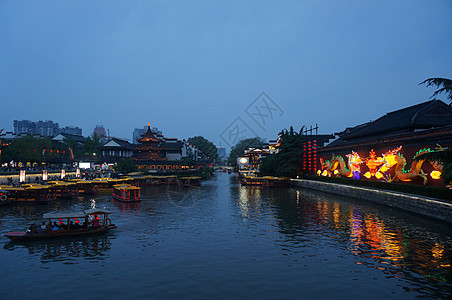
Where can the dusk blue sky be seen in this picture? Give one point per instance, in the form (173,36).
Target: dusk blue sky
(193,67)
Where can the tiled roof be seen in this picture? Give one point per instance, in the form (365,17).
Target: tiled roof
(429,114)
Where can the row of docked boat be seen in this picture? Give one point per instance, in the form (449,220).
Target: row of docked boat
(266,181)
(123,189)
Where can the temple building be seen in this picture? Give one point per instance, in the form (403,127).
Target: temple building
(155,152)
(116,149)
(385,149)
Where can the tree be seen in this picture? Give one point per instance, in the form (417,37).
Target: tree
(288,161)
(71,145)
(444,85)
(91,145)
(126,166)
(207,148)
(239,149)
(30,149)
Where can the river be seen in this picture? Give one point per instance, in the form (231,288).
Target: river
(223,241)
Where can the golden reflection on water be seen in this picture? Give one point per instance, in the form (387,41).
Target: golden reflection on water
(249,201)
(386,243)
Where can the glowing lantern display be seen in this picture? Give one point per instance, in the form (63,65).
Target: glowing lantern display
(435,174)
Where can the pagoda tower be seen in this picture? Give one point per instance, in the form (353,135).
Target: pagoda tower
(149,148)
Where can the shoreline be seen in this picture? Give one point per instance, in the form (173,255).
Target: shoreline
(426,206)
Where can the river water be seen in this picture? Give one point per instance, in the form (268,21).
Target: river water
(223,241)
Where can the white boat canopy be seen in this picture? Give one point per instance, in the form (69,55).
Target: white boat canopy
(83,214)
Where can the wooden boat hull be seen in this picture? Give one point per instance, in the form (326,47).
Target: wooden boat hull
(22,236)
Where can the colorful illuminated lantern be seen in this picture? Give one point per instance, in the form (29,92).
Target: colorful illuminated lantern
(373,163)
(435,175)
(355,162)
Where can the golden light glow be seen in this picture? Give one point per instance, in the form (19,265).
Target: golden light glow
(22,176)
(325,173)
(390,160)
(319,172)
(435,174)
(335,172)
(367,175)
(379,175)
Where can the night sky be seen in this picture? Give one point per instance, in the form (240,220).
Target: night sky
(220,69)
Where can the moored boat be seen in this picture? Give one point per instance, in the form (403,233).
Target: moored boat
(29,194)
(190,181)
(95,221)
(126,193)
(267,181)
(64,189)
(85,187)
(3,196)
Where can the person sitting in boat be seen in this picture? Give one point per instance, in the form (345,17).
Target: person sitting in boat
(42,228)
(76,225)
(96,221)
(55,227)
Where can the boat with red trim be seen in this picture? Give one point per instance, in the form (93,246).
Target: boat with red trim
(126,193)
(66,225)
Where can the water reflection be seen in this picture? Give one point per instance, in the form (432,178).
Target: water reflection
(250,201)
(65,250)
(400,250)
(127,206)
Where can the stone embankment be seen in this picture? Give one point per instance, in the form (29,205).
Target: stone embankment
(417,204)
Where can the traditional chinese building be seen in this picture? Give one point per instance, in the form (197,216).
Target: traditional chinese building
(385,148)
(116,149)
(155,152)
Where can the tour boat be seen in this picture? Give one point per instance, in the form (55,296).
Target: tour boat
(64,189)
(3,196)
(159,180)
(126,193)
(29,194)
(190,181)
(267,181)
(94,221)
(102,184)
(85,187)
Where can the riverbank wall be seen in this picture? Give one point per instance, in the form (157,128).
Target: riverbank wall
(430,207)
